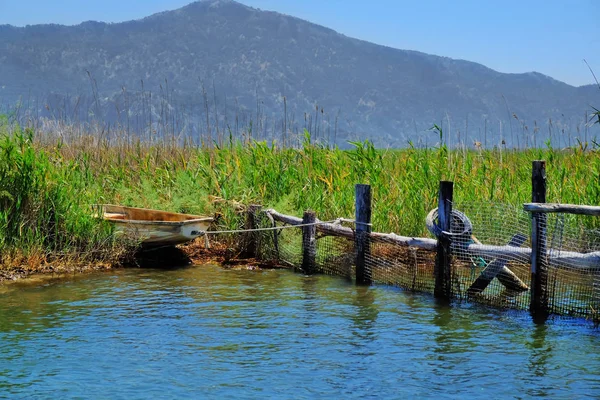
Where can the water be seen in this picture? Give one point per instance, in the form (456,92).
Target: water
(206,332)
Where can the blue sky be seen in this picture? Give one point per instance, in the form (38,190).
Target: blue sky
(548,36)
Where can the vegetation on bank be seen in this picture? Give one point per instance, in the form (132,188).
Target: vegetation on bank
(48,184)
(45,219)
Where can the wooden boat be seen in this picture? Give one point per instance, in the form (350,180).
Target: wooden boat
(154,228)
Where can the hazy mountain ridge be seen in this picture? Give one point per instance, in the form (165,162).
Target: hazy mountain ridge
(254,56)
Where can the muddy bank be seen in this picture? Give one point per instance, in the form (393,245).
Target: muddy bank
(193,253)
(65,268)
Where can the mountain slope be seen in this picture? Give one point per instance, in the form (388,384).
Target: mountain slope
(238,60)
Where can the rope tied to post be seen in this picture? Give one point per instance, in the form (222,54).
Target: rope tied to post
(271,228)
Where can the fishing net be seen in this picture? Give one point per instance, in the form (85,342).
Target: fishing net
(573,265)
(282,243)
(490,256)
(403,266)
(479,273)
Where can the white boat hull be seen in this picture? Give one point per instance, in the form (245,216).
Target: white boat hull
(153,228)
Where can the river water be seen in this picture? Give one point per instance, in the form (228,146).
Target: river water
(208,332)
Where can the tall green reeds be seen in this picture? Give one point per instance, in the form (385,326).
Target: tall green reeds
(49,182)
(45,209)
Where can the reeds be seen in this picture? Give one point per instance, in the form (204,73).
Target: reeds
(49,181)
(44,206)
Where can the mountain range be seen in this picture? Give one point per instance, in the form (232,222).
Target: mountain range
(217,66)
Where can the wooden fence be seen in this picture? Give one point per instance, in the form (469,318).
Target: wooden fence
(539,254)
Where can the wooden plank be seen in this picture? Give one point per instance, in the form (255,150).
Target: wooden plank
(509,279)
(325,228)
(338,230)
(495,267)
(562,208)
(574,260)
(286,219)
(419,243)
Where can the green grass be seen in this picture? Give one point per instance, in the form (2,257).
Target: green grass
(47,184)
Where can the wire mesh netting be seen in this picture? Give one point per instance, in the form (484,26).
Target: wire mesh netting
(481,270)
(403,266)
(573,265)
(334,255)
(491,257)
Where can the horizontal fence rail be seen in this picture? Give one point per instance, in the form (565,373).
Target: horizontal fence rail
(562,208)
(582,261)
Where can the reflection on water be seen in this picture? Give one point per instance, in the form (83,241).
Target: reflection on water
(364,316)
(540,351)
(214,333)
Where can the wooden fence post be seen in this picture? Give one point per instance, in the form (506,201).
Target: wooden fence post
(275,236)
(362,232)
(251,239)
(539,263)
(442,269)
(309,242)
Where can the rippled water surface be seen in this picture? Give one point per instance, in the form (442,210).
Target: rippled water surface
(207,332)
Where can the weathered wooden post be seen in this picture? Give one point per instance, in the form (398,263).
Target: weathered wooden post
(309,242)
(362,232)
(539,263)
(251,238)
(442,269)
(275,236)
